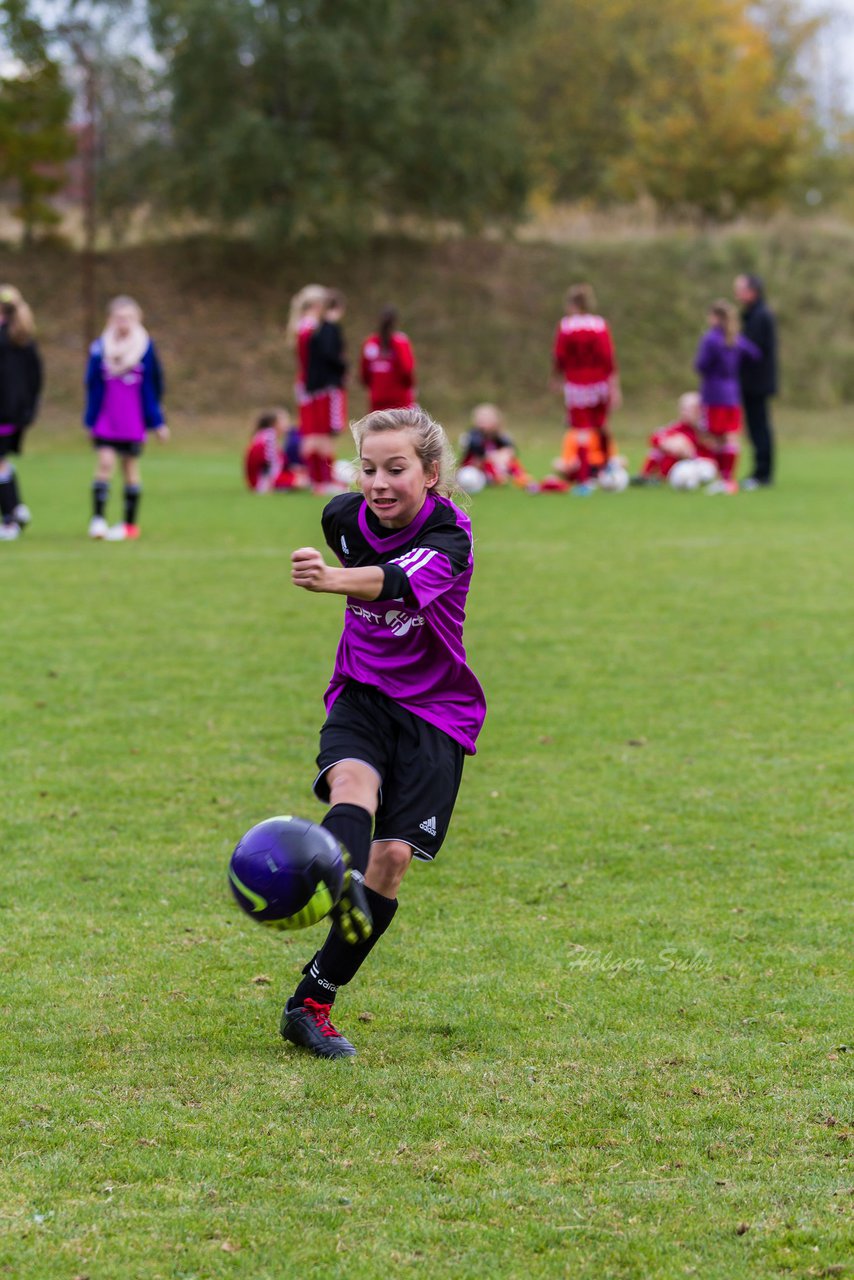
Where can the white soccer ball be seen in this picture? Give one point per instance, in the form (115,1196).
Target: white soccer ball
(471,479)
(706,469)
(343,472)
(614,478)
(684,475)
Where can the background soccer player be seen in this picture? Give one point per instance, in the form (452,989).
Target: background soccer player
(387,365)
(273,458)
(403,707)
(326,373)
(673,443)
(719,355)
(20,387)
(487,446)
(124,386)
(584,357)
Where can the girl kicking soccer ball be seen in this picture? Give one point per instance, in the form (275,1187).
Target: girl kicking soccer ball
(124,384)
(403,708)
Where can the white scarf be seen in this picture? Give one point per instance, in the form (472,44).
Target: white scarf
(123,354)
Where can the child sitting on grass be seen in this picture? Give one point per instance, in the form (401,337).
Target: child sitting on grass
(273,458)
(583,455)
(488,447)
(675,442)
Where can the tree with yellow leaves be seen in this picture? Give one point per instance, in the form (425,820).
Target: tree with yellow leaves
(686,101)
(710,131)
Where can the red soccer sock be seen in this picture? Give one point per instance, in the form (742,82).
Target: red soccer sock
(314,466)
(583,472)
(726,458)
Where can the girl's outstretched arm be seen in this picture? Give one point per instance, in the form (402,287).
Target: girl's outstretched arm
(310,571)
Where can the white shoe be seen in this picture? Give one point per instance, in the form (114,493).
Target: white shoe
(98,527)
(21,514)
(116,533)
(9,532)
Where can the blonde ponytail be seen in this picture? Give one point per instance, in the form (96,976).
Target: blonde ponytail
(309,296)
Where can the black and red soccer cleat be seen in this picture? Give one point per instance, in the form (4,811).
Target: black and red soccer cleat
(308,1026)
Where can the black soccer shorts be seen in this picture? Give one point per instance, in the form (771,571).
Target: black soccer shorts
(12,443)
(419,766)
(127,448)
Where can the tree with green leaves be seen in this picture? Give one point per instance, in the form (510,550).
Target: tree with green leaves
(305,116)
(35,140)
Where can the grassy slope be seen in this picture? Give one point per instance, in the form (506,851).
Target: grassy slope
(481,314)
(604,1037)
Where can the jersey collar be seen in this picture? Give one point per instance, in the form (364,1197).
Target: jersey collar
(401,536)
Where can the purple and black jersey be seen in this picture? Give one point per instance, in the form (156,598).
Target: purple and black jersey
(410,649)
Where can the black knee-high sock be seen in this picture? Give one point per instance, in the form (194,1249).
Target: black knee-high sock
(133,493)
(8,495)
(337,961)
(100,495)
(352,826)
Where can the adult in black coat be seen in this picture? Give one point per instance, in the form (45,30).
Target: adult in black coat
(20,387)
(758,377)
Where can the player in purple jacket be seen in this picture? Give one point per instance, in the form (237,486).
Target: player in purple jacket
(403,707)
(124,385)
(718,361)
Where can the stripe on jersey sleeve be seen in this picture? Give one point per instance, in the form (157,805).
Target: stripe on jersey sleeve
(429,573)
(415,560)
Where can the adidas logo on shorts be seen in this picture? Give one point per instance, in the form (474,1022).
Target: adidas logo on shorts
(428,825)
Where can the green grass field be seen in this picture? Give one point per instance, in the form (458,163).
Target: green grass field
(610,1033)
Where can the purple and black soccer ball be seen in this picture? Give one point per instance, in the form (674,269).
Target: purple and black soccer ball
(287,873)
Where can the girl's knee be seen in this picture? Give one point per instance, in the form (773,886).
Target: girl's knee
(354,782)
(389,863)
(104,465)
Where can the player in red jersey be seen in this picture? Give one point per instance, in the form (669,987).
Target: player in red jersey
(584,358)
(673,443)
(388,365)
(272,459)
